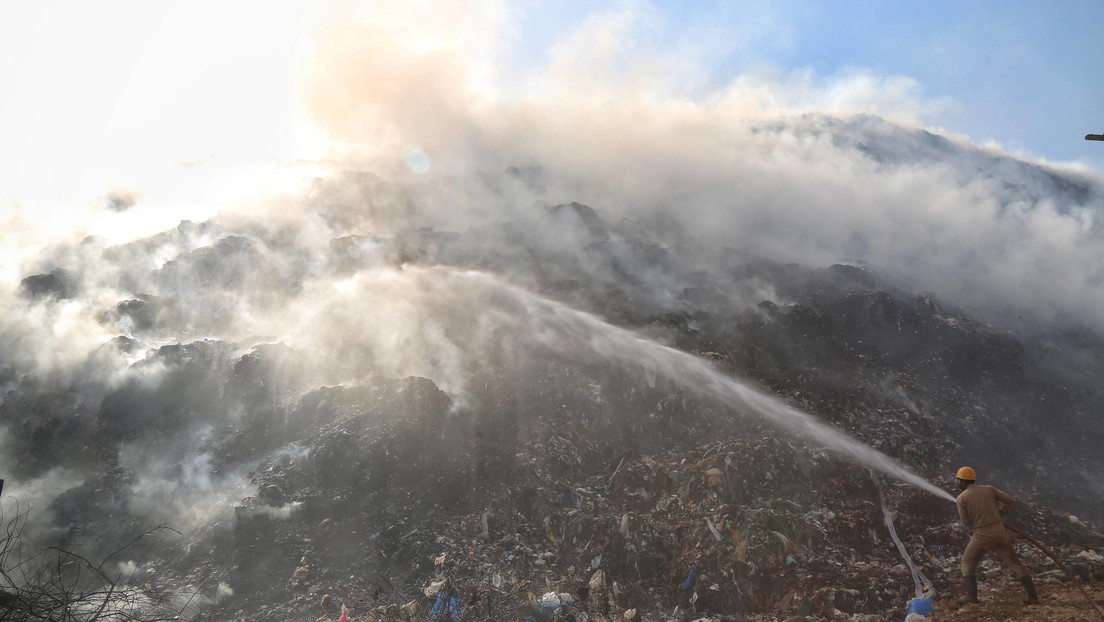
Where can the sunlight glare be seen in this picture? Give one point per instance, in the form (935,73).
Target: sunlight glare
(135,95)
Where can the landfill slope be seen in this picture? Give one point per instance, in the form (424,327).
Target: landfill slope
(543,478)
(772,526)
(612,486)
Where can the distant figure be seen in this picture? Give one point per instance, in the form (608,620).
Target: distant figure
(981,508)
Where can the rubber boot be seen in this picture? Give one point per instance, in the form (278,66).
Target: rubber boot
(1029,587)
(969,583)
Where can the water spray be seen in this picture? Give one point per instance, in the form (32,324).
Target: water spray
(627,348)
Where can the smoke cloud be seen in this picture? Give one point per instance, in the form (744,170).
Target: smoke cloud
(444,154)
(787,166)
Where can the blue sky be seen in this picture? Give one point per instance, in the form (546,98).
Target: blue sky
(1023,74)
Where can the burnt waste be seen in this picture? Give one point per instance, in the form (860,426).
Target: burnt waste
(549,483)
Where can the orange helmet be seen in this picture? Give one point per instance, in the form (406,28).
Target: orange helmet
(966,473)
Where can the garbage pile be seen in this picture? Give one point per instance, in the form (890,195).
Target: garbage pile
(915,377)
(559,486)
(744,526)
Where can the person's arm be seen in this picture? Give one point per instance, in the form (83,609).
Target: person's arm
(962,512)
(1004,500)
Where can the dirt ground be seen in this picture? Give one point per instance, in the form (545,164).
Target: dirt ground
(1060,602)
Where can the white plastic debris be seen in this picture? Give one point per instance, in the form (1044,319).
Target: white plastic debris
(596,582)
(713,529)
(410,608)
(433,588)
(554,600)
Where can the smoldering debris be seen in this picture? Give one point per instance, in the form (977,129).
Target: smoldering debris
(373,377)
(590,509)
(568,461)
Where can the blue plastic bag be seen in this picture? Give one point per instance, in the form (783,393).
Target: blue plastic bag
(691,579)
(922,606)
(447,604)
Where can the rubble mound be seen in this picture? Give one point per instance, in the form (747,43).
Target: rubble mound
(550,483)
(576,523)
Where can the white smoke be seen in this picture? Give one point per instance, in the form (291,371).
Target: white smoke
(423,130)
(740,166)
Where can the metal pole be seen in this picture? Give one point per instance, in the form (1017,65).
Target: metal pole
(1094,136)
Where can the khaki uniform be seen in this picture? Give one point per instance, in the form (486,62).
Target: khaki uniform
(981,507)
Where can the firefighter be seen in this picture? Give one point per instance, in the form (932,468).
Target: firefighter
(981,508)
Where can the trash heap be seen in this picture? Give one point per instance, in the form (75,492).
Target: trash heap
(728,528)
(741,526)
(554,484)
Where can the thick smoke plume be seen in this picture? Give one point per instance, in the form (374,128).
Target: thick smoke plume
(140,353)
(741,166)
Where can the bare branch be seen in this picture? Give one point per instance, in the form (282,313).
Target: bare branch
(59,584)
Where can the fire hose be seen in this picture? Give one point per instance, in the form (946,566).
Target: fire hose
(1052,556)
(920,581)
